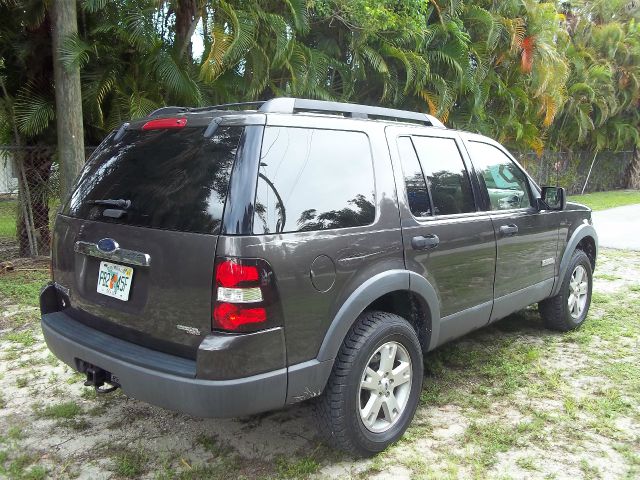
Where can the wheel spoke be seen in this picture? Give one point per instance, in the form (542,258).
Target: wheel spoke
(390,407)
(583,288)
(401,374)
(372,409)
(579,275)
(388,357)
(571,301)
(371,380)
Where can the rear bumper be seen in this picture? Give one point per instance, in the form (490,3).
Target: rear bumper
(161,379)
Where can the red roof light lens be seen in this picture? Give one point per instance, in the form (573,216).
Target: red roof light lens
(165,124)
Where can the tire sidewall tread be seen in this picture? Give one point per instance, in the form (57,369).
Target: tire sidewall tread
(555,310)
(337,410)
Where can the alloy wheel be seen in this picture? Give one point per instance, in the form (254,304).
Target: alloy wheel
(578,291)
(385,387)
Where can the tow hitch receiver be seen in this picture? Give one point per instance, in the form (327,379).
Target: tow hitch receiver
(97,377)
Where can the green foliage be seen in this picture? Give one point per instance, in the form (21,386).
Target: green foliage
(532,74)
(8,210)
(64,410)
(297,468)
(23,287)
(130,463)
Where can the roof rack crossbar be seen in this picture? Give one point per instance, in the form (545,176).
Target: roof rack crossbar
(223,106)
(168,111)
(293,105)
(227,106)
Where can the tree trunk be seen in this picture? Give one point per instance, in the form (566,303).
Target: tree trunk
(68,97)
(187,16)
(633,171)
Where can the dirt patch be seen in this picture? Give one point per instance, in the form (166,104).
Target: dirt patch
(512,400)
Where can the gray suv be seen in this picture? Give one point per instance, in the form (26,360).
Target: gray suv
(235,259)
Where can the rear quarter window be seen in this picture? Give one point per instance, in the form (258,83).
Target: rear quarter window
(174,179)
(313,179)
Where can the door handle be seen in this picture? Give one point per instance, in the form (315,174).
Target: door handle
(425,242)
(509,230)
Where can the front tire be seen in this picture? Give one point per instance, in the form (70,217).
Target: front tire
(568,309)
(374,387)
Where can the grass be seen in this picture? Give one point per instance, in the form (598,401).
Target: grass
(8,218)
(131,463)
(516,389)
(24,338)
(604,200)
(23,287)
(299,468)
(64,410)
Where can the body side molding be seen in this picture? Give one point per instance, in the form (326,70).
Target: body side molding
(309,378)
(421,286)
(368,292)
(584,230)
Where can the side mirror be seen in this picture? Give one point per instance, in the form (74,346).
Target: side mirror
(554,198)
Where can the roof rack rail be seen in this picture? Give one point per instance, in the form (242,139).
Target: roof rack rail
(294,105)
(223,106)
(227,106)
(168,111)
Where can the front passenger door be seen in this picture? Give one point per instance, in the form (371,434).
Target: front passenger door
(527,239)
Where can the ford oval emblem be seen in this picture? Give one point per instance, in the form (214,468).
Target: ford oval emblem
(107,245)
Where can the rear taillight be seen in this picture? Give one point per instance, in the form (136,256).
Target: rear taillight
(245,297)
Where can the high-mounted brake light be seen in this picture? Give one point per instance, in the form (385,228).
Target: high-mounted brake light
(165,123)
(245,295)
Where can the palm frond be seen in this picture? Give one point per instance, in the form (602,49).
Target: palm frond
(74,52)
(34,111)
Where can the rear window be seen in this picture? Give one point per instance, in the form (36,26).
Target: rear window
(313,179)
(174,179)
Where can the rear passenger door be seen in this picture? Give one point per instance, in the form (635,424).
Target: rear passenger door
(446,238)
(324,219)
(527,239)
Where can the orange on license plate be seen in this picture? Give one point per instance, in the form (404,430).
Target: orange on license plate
(115,280)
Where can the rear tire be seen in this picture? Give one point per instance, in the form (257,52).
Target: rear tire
(373,390)
(568,309)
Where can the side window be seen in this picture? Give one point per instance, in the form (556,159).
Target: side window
(414,181)
(311,179)
(506,184)
(447,176)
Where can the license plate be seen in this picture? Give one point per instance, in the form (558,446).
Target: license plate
(115,280)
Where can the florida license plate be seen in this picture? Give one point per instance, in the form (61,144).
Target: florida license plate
(115,280)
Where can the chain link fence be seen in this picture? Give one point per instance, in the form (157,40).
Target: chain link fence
(29,199)
(30,188)
(599,171)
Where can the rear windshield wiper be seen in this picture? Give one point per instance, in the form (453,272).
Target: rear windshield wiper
(108,202)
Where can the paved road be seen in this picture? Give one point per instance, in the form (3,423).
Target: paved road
(618,227)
